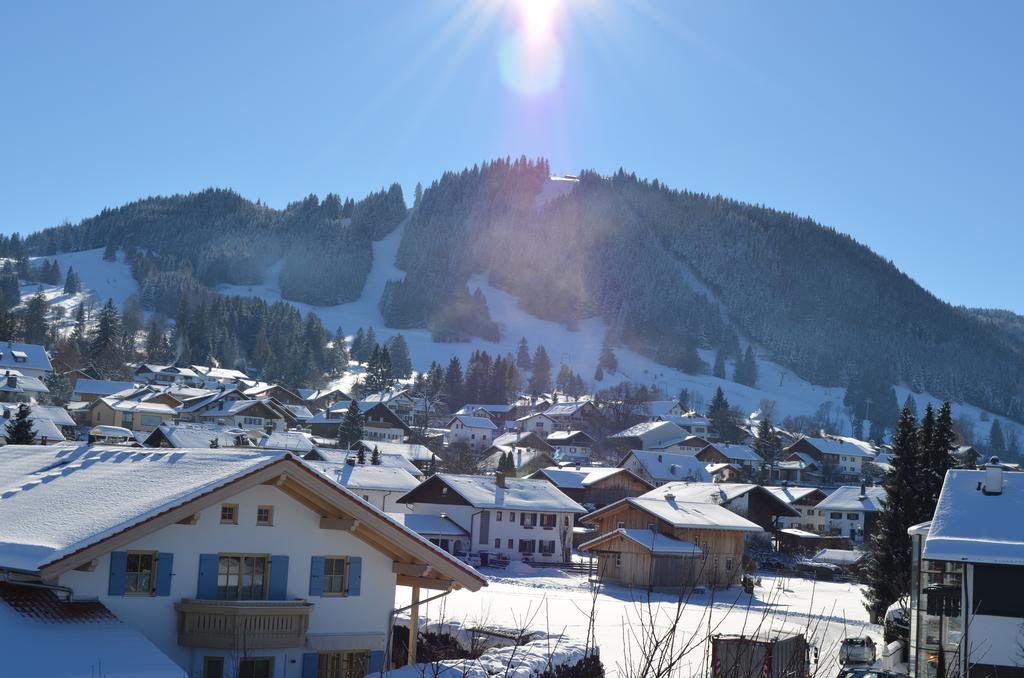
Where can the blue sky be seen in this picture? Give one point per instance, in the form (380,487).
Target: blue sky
(899,123)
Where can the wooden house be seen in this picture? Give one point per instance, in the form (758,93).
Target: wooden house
(595,486)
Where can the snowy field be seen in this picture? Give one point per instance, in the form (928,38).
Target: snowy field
(559,603)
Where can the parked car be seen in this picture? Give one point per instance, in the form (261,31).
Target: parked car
(867,673)
(857,650)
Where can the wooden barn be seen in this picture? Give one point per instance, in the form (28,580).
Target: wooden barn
(658,543)
(595,486)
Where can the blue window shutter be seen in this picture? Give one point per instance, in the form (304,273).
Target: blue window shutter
(206,588)
(278,585)
(164,570)
(355,575)
(118,566)
(316,576)
(310,664)
(376,661)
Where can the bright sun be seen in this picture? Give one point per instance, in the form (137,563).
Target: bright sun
(538,17)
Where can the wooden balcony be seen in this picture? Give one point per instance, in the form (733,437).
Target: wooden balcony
(242,624)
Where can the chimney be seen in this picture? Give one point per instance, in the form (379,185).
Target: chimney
(670,497)
(12,381)
(499,480)
(993,483)
(863,489)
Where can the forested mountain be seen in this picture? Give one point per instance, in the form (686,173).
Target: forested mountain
(669,271)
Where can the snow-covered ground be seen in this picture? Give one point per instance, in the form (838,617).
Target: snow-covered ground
(106,279)
(559,603)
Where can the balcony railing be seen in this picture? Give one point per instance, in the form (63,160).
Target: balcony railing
(233,624)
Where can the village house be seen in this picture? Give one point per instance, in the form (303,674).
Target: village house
(165,374)
(966,607)
(507,518)
(253,415)
(219,375)
(275,391)
(838,458)
(46,429)
(594,486)
(420,456)
(88,390)
(753,502)
(571,446)
(851,511)
(538,424)
(661,435)
(398,400)
(337,456)
(805,501)
(29,360)
(380,424)
(17,388)
(231,562)
(658,468)
(520,439)
(320,399)
(476,433)
(575,416)
(666,544)
(193,408)
(134,415)
(379,485)
(498,413)
(525,460)
(742,456)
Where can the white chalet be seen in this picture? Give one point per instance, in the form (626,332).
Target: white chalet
(31,360)
(851,511)
(380,485)
(511,518)
(539,424)
(659,468)
(476,433)
(231,562)
(967,578)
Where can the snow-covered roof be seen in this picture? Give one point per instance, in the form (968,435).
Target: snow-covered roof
(430,526)
(13,381)
(76,496)
(556,437)
(521,456)
(698,515)
(666,467)
(519,494)
(367,476)
(300,412)
(566,409)
(197,435)
(58,415)
(653,432)
(497,409)
(15,355)
(411,451)
(102,387)
(219,372)
(42,424)
(140,406)
(790,494)
(659,408)
(386,396)
(520,439)
(473,422)
(42,636)
(971,526)
(343,456)
(572,478)
(849,498)
(716,493)
(838,556)
(735,452)
(233,408)
(293,441)
(655,542)
(167,370)
(841,445)
(196,404)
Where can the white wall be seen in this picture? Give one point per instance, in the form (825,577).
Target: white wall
(295,533)
(386,500)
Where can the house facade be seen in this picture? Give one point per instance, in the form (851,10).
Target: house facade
(476,433)
(231,562)
(30,360)
(509,518)
(658,468)
(134,415)
(850,511)
(839,458)
(595,486)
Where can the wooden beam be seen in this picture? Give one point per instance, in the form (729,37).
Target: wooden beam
(87,567)
(189,520)
(411,569)
(414,624)
(343,524)
(425,583)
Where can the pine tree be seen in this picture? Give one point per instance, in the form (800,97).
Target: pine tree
(996,442)
(720,415)
(599,373)
(34,326)
(350,431)
(339,363)
(540,378)
(375,458)
(72,283)
(745,371)
(361,455)
(105,351)
(59,387)
(523,360)
(417,195)
(368,343)
(400,361)
(719,368)
(684,399)
(110,252)
(564,378)
(20,430)
(768,445)
(938,457)
(608,361)
(358,342)
(888,561)
(453,387)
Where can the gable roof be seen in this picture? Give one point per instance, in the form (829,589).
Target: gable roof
(44,426)
(666,466)
(492,408)
(412,451)
(102,387)
(650,540)
(73,503)
(848,498)
(839,445)
(654,432)
(521,456)
(367,476)
(971,526)
(472,422)
(791,494)
(565,437)
(659,408)
(522,439)
(567,409)
(15,355)
(718,493)
(682,514)
(519,494)
(338,456)
(734,452)
(578,478)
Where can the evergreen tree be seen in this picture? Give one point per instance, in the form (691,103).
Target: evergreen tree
(375,458)
(339,350)
(158,350)
(684,399)
(105,352)
(8,325)
(938,457)
(59,387)
(608,361)
(20,430)
(523,360)
(453,387)
(996,442)
(350,431)
(719,367)
(368,343)
(400,361)
(34,326)
(540,378)
(360,455)
(72,283)
(599,373)
(417,195)
(564,378)
(768,445)
(745,371)
(358,342)
(888,561)
(720,416)
(110,252)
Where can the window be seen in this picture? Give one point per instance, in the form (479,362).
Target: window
(127,419)
(353,664)
(242,578)
(993,587)
(151,420)
(498,516)
(253,421)
(229,514)
(620,525)
(512,516)
(213,667)
(265,515)
(528,519)
(140,573)
(527,545)
(728,564)
(618,560)
(334,576)
(853,516)
(444,491)
(836,516)
(548,520)
(547,548)
(566,521)
(510,543)
(497,543)
(255,667)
